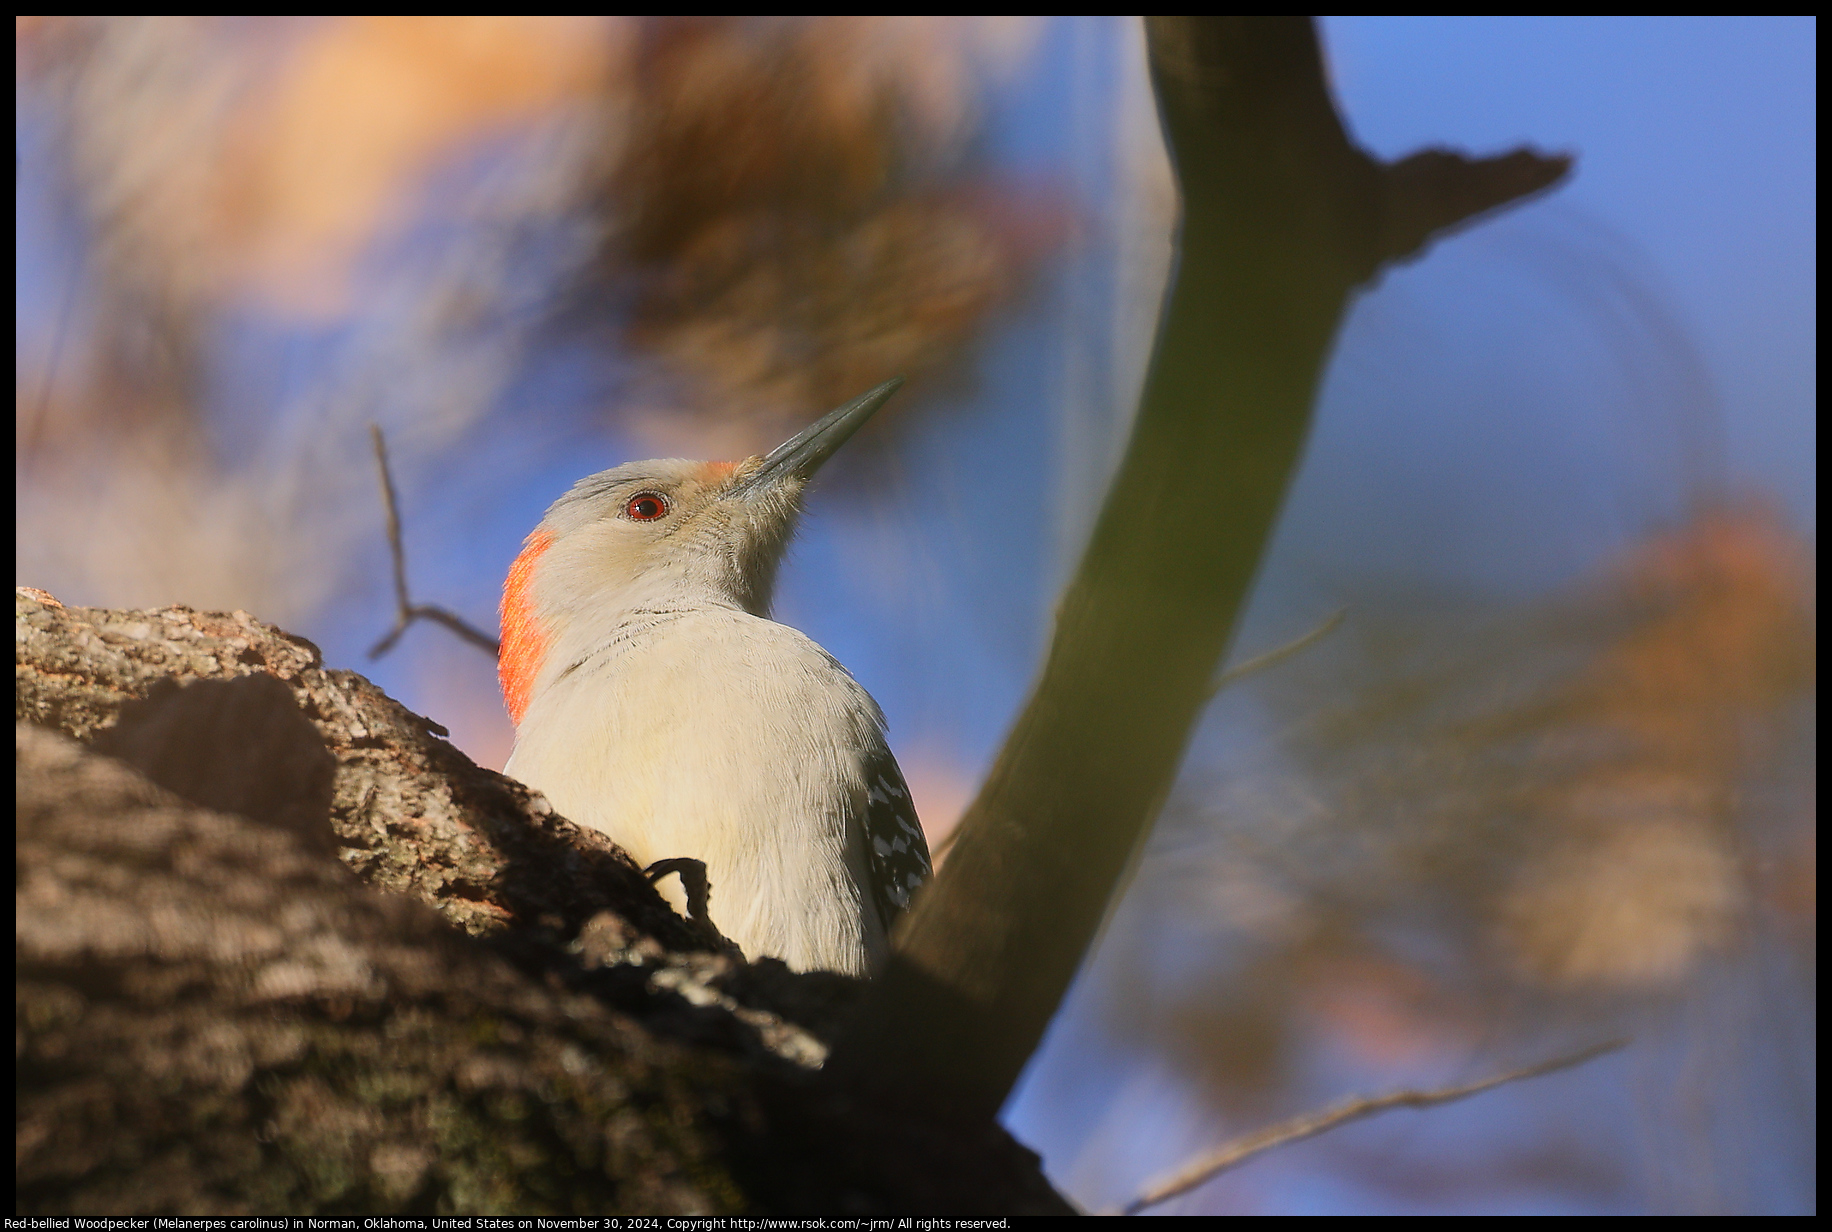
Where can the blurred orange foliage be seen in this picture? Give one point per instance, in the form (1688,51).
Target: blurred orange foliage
(1652,867)
(764,215)
(798,213)
(1502,818)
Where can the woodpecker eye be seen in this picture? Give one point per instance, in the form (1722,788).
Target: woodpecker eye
(646,507)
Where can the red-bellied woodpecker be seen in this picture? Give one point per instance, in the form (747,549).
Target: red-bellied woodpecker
(655,701)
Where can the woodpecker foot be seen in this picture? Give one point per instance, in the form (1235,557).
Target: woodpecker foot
(699,895)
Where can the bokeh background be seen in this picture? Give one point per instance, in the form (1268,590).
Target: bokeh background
(1549,780)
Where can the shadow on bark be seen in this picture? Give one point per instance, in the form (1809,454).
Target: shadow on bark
(282,949)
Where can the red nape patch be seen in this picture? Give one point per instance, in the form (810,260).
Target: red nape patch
(524,638)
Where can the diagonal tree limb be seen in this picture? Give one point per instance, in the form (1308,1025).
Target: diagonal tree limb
(407,611)
(1283,220)
(1237,1151)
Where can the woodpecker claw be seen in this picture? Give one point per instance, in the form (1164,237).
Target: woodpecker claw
(699,894)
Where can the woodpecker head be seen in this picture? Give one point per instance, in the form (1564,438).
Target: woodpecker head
(660,534)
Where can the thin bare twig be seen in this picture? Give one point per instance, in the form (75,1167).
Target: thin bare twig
(407,611)
(41,409)
(1259,663)
(1237,1151)
(66,307)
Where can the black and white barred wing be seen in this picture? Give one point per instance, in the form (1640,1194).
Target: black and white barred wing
(893,839)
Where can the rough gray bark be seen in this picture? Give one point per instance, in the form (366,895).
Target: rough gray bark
(483,1008)
(482,849)
(1283,219)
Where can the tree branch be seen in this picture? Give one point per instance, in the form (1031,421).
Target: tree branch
(1283,220)
(321,1046)
(1239,1150)
(407,611)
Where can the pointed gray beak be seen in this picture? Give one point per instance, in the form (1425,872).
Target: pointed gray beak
(802,454)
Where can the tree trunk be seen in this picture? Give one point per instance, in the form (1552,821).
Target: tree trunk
(482,1008)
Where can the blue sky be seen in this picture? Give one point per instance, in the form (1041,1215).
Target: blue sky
(1695,140)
